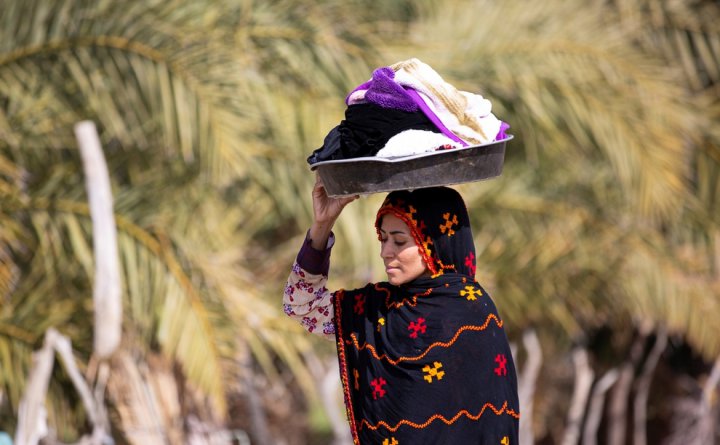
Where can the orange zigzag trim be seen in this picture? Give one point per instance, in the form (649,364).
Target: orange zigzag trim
(446,344)
(503,410)
(410,301)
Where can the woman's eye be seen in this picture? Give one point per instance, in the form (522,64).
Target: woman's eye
(399,243)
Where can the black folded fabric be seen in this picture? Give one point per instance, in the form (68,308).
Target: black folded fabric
(366,129)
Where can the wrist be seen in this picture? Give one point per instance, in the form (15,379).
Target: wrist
(320,233)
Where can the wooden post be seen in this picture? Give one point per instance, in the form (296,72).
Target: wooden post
(527,383)
(584,376)
(106,289)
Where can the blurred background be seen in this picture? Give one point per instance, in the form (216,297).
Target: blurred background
(600,242)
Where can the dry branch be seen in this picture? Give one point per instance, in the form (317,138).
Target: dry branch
(643,388)
(106,289)
(584,376)
(528,380)
(595,409)
(32,426)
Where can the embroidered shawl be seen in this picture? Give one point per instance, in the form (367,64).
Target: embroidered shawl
(427,362)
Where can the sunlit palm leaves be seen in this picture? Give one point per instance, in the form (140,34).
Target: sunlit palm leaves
(607,211)
(600,162)
(180,108)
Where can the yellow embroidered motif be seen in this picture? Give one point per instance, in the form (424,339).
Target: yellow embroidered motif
(356,374)
(433,371)
(449,223)
(471,293)
(505,441)
(381,323)
(412,211)
(388,441)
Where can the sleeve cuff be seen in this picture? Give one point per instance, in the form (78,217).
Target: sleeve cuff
(315,261)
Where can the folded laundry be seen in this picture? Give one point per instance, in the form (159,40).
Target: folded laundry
(384,91)
(413,142)
(467,115)
(409,95)
(366,129)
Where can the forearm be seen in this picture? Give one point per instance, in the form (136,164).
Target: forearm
(319,234)
(306,298)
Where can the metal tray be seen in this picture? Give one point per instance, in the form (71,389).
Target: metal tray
(359,176)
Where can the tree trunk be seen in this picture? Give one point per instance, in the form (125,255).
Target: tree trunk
(106,288)
(597,402)
(528,380)
(621,393)
(708,415)
(32,417)
(583,382)
(643,388)
(258,420)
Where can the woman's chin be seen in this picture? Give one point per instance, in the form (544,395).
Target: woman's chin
(397,281)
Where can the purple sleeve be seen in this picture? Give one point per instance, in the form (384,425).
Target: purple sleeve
(313,260)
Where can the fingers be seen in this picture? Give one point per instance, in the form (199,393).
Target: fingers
(347,200)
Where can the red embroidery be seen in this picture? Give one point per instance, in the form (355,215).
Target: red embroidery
(378,390)
(420,326)
(501,360)
(470,263)
(359,304)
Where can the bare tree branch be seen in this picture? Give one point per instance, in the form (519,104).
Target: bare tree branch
(32,419)
(707,418)
(583,382)
(643,388)
(621,393)
(595,410)
(526,387)
(106,289)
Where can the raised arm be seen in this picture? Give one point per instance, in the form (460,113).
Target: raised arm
(326,211)
(306,298)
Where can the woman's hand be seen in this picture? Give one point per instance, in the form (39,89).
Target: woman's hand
(326,211)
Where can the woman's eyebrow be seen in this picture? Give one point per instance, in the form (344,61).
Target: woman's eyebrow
(395,232)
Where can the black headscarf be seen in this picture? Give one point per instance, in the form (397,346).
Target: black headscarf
(427,362)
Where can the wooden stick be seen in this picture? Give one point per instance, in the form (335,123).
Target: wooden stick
(106,289)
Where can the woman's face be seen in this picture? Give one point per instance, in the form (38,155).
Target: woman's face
(401,256)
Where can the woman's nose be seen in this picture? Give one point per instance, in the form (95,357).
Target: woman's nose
(386,250)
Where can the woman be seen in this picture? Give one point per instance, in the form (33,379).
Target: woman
(423,357)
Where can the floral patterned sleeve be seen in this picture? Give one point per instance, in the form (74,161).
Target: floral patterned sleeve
(306,299)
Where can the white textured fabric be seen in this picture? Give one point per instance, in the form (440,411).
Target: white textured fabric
(467,115)
(412,142)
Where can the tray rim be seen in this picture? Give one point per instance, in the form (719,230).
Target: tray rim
(400,159)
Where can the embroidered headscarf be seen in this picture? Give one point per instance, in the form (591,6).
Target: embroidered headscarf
(440,226)
(427,361)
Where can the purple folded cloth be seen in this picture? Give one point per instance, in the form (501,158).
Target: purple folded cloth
(315,261)
(384,91)
(504,126)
